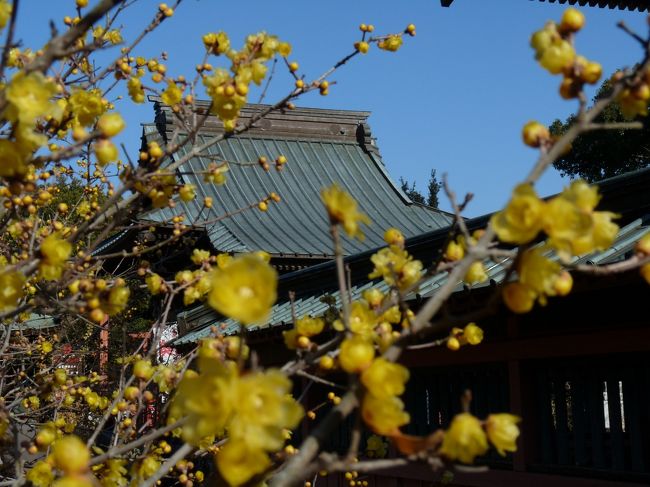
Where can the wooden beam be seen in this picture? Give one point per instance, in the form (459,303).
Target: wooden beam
(575,345)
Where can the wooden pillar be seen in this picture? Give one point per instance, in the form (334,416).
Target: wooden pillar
(103,347)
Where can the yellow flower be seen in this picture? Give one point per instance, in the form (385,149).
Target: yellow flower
(465,439)
(244,290)
(308,326)
(118,298)
(105,151)
(393,236)
(391,43)
(13,160)
(263,410)
(5,13)
(29,97)
(356,354)
(199,256)
(572,225)
(290,338)
(154,283)
(473,334)
(110,124)
(538,272)
(342,209)
(187,192)
(454,251)
(205,399)
(11,289)
(476,273)
(55,252)
(238,461)
(136,92)
(362,318)
(384,378)
(40,475)
(172,95)
(518,297)
(374,296)
(502,431)
(396,267)
(70,454)
(384,415)
(521,220)
(86,106)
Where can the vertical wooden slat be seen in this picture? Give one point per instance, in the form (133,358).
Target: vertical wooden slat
(615,422)
(561,425)
(579,415)
(596,418)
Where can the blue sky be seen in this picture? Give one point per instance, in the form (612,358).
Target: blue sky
(454,98)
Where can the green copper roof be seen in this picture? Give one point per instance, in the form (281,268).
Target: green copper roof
(202,318)
(341,152)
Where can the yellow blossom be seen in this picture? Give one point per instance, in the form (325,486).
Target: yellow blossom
(200,256)
(86,106)
(362,318)
(244,290)
(308,326)
(374,296)
(70,454)
(172,95)
(110,124)
(518,297)
(154,283)
(238,461)
(396,267)
(13,159)
(136,92)
(476,273)
(502,431)
(118,298)
(205,399)
(11,289)
(41,474)
(5,13)
(55,252)
(342,209)
(264,409)
(384,378)
(384,415)
(29,97)
(538,272)
(356,354)
(473,334)
(465,439)
(391,43)
(521,220)
(105,151)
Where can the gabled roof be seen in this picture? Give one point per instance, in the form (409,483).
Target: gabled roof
(626,194)
(322,147)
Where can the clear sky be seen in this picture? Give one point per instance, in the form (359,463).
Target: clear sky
(454,98)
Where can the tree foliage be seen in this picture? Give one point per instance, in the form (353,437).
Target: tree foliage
(602,154)
(433,188)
